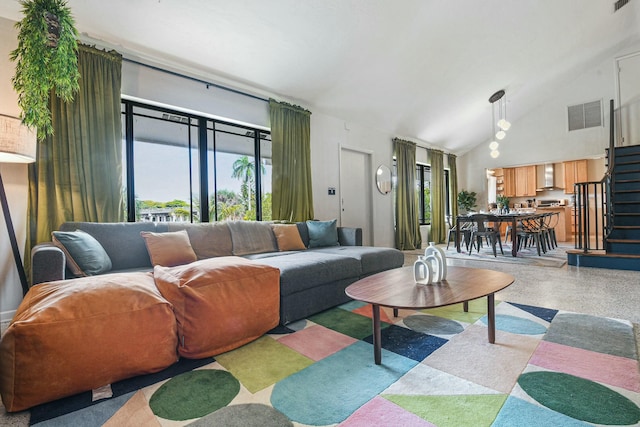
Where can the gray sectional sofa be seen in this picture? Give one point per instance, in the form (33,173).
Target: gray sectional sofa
(311,280)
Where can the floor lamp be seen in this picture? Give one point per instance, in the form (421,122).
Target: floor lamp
(17,145)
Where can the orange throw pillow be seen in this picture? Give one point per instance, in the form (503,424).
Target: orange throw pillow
(288,237)
(169,249)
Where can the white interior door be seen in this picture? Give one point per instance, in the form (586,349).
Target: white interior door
(628,72)
(355,192)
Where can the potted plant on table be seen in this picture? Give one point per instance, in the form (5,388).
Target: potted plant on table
(466,201)
(46,59)
(503,203)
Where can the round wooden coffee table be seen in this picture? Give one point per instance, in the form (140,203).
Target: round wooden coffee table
(397,289)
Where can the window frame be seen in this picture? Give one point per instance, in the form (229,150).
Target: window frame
(203,124)
(420,173)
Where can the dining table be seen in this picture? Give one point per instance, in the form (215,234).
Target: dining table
(511,218)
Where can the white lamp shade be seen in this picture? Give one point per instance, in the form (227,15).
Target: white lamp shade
(495,153)
(17,142)
(494,145)
(503,124)
(500,135)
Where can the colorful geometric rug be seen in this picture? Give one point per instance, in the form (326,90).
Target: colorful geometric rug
(547,368)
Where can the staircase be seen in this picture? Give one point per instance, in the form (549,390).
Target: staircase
(625,235)
(622,243)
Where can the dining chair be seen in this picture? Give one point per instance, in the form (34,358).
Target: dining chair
(533,232)
(464,233)
(486,227)
(550,220)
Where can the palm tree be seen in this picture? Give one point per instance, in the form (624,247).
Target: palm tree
(243,169)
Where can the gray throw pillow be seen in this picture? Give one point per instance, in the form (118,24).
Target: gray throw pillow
(252,237)
(85,255)
(322,233)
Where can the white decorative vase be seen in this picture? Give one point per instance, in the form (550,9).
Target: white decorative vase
(422,271)
(441,261)
(436,268)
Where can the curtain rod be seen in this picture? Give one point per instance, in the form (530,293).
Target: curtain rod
(216,85)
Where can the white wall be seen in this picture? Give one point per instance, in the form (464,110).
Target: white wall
(15,182)
(328,134)
(542,135)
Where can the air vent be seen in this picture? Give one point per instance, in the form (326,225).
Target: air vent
(583,116)
(617,5)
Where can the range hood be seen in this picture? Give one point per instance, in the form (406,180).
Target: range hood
(544,177)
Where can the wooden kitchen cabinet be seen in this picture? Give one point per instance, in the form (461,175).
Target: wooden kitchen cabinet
(525,181)
(574,171)
(506,181)
(509,182)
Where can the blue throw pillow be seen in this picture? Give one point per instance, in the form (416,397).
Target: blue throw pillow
(322,233)
(85,255)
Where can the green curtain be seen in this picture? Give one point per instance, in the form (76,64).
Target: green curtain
(78,171)
(453,187)
(438,232)
(407,223)
(291,156)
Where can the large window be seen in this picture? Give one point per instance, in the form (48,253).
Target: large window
(423,193)
(187,168)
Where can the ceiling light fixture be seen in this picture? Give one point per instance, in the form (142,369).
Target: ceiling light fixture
(502,114)
(502,122)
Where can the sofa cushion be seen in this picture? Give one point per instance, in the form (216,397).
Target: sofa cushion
(170,248)
(84,254)
(220,303)
(322,233)
(288,237)
(372,259)
(252,237)
(114,236)
(303,270)
(76,335)
(208,240)
(304,232)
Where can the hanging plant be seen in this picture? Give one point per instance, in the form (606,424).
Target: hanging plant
(46,60)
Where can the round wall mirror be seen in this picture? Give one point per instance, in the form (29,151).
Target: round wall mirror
(383,179)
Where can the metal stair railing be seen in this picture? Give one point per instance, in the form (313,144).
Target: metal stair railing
(593,211)
(592,216)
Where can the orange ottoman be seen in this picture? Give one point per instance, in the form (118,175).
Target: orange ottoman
(220,303)
(76,335)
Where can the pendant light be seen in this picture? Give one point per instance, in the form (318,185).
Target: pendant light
(502,123)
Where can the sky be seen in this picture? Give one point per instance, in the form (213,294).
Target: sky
(162,173)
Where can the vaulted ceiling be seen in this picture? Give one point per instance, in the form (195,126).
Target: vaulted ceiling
(421,69)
